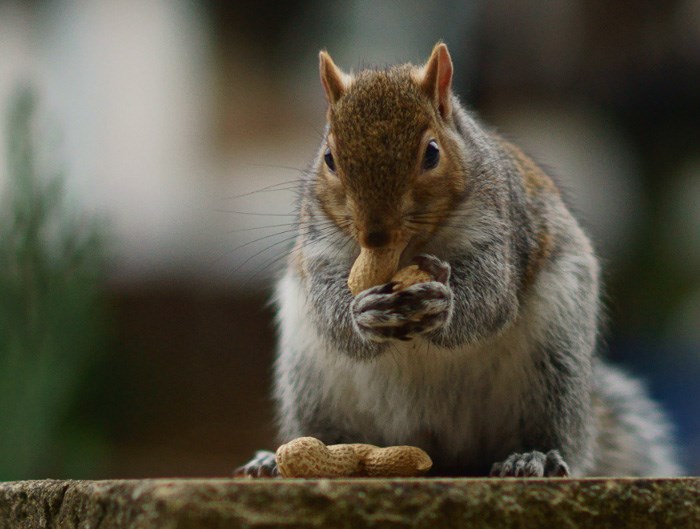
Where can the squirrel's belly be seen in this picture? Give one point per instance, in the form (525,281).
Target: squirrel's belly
(442,400)
(410,394)
(414,393)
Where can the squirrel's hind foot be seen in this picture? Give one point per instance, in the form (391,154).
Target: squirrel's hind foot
(263,465)
(532,465)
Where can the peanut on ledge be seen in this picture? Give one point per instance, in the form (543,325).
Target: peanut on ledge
(307,457)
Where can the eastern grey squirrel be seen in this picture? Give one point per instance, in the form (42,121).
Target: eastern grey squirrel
(492,369)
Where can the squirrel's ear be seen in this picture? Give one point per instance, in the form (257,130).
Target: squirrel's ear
(435,78)
(333,79)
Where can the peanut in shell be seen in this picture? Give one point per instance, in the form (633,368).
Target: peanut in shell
(374,266)
(307,457)
(410,275)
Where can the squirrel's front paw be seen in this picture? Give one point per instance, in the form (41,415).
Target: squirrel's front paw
(380,314)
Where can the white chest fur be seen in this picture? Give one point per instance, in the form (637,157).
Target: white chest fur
(415,392)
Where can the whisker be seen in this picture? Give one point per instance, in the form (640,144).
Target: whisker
(269,226)
(270,236)
(446,211)
(293,249)
(328,226)
(256,214)
(289,185)
(277,243)
(419,227)
(289,224)
(343,246)
(440,224)
(296,230)
(286,255)
(279,166)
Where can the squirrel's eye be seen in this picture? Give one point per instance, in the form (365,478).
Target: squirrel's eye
(328,158)
(432,155)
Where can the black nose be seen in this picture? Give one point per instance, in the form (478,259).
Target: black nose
(377,239)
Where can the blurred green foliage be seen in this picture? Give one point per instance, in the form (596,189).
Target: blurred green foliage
(51,321)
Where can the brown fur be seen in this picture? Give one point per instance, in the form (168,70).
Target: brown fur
(539,188)
(296,259)
(296,256)
(534,178)
(539,256)
(390,130)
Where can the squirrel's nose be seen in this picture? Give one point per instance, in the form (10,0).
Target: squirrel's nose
(377,239)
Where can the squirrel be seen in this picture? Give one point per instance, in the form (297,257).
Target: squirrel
(493,369)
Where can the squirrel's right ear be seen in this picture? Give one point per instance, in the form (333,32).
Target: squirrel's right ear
(435,78)
(333,79)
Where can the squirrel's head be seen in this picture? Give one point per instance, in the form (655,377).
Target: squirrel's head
(390,168)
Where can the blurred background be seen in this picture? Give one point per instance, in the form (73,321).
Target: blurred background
(148,157)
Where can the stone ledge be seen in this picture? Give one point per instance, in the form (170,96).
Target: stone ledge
(352,503)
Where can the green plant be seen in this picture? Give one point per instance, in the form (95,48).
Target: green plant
(51,329)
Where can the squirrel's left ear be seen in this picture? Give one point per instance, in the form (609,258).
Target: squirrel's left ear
(333,79)
(435,78)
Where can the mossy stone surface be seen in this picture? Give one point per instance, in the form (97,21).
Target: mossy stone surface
(353,503)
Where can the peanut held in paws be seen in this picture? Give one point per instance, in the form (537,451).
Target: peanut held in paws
(307,457)
(410,275)
(372,267)
(375,266)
